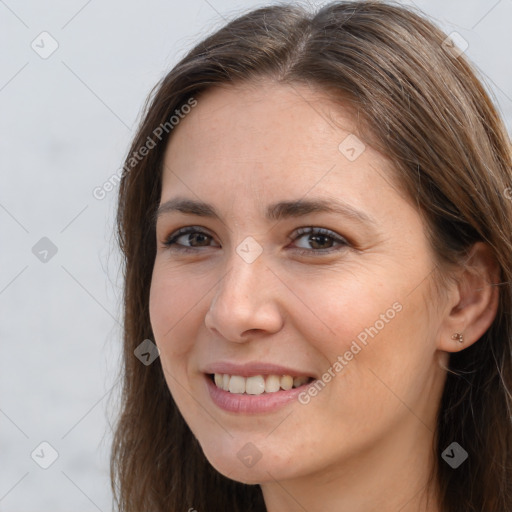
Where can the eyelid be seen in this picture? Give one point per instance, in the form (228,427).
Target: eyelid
(169,241)
(315,230)
(185,230)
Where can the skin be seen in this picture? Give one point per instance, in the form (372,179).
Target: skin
(364,442)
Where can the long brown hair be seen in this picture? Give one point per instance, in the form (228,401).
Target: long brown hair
(421,104)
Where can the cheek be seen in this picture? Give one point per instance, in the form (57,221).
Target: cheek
(371,324)
(386,362)
(173,309)
(336,309)
(173,315)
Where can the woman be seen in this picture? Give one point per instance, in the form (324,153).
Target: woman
(317,239)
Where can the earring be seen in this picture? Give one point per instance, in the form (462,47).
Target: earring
(458,336)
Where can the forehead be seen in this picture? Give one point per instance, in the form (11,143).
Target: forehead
(271,142)
(261,116)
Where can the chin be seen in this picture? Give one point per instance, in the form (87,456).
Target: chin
(248,465)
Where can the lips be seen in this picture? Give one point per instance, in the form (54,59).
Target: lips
(254,368)
(255,387)
(257,384)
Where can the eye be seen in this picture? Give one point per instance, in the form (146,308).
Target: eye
(192,235)
(320,240)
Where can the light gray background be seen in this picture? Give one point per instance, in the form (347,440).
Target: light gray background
(66,124)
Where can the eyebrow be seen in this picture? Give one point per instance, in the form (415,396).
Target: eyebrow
(274,212)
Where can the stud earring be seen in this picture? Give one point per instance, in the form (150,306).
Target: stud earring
(458,336)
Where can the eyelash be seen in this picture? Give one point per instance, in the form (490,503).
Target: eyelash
(170,242)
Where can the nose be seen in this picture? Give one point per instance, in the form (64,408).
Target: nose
(245,303)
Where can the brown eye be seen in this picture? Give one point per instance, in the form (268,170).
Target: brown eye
(186,239)
(197,237)
(319,240)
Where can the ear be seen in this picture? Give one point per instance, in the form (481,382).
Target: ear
(473,300)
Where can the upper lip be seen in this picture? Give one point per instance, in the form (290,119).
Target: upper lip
(253,368)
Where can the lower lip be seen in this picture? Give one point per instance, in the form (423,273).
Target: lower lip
(242,403)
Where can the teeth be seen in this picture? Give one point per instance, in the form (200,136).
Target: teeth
(225,382)
(254,385)
(237,384)
(272,384)
(287,382)
(258,384)
(298,381)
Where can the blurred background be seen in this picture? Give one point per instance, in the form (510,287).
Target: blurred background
(73,78)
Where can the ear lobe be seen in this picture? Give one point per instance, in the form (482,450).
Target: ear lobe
(477,304)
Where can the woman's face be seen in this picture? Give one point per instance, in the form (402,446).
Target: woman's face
(302,259)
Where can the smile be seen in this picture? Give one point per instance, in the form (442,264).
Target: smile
(257,384)
(255,394)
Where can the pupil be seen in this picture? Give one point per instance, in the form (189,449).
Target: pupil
(196,236)
(314,239)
